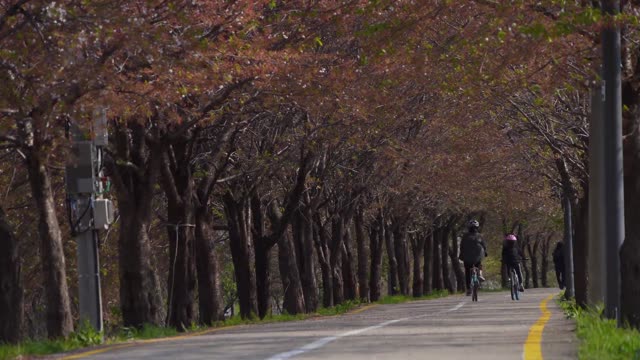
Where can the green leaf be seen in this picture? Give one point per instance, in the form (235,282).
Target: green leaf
(502,35)
(535,30)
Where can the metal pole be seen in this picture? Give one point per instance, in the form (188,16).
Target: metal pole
(81,187)
(596,235)
(613,180)
(90,298)
(569,291)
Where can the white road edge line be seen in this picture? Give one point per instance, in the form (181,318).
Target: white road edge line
(324,341)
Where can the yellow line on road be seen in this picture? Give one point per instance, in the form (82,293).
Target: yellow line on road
(94,352)
(142,342)
(533,345)
(361,309)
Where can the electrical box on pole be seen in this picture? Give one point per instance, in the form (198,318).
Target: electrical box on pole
(90,211)
(103,215)
(80,173)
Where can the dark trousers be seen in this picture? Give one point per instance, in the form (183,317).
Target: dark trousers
(560,276)
(518,271)
(467,272)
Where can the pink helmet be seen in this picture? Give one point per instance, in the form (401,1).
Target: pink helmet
(511,237)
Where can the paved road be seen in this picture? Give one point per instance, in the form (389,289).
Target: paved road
(449,328)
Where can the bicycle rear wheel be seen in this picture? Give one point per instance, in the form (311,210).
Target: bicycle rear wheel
(474,292)
(515,285)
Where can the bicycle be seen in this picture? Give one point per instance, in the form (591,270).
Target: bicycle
(514,283)
(475,283)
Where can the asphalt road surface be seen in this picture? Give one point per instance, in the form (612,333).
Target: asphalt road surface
(448,328)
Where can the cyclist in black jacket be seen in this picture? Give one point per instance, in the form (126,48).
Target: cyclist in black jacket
(511,255)
(472,250)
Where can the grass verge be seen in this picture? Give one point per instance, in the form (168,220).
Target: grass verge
(86,336)
(397,299)
(600,338)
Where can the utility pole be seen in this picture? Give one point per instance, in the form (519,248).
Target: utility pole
(88,212)
(569,291)
(597,195)
(613,170)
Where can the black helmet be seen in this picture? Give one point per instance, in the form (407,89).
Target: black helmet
(473,224)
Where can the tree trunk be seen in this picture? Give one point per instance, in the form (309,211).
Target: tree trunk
(544,263)
(630,249)
(630,269)
(454,252)
(527,275)
(179,188)
(376,240)
(363,276)
(182,270)
(444,248)
(525,268)
(11,291)
(140,300)
(534,262)
(436,272)
(211,305)
(428,264)
(337,234)
(280,222)
(293,294)
(262,258)
(568,194)
(402,258)
(417,245)
(392,282)
(59,320)
(348,267)
(338,281)
(181,283)
(534,270)
(327,285)
(580,251)
(531,249)
(324,258)
(240,241)
(303,237)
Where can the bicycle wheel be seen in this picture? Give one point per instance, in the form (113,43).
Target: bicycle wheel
(512,284)
(515,284)
(474,292)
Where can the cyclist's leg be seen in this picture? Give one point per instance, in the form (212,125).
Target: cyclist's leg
(512,281)
(467,276)
(479,266)
(519,273)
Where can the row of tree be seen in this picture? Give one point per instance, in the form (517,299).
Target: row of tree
(324,131)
